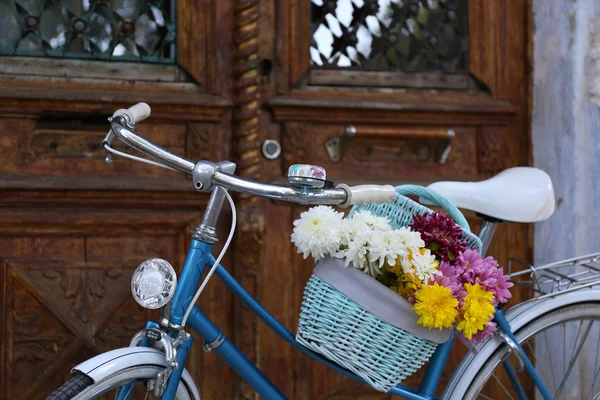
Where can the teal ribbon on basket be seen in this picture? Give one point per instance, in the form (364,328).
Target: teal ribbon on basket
(335,326)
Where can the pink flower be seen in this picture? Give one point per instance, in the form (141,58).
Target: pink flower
(486,273)
(452,283)
(441,234)
(488,332)
(500,290)
(469,259)
(449,270)
(481,273)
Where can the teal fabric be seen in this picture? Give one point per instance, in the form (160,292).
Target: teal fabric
(333,325)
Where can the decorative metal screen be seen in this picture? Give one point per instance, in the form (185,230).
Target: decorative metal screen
(406,35)
(126,30)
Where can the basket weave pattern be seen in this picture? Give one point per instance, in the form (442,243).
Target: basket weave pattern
(334,325)
(338,328)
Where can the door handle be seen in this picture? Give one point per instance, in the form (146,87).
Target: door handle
(336,147)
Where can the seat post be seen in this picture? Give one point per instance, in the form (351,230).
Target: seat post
(486,233)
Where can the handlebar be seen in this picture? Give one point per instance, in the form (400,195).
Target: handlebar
(125,135)
(207,174)
(277,192)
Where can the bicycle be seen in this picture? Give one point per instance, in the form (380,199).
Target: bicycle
(155,361)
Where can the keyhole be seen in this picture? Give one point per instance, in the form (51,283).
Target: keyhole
(264,69)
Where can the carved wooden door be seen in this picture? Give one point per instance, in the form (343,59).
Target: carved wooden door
(401,75)
(73,228)
(223,77)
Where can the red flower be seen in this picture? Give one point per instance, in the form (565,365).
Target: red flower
(441,235)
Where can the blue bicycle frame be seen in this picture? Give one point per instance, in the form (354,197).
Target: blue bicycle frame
(200,256)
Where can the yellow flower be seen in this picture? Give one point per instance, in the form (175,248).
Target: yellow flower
(408,284)
(478,300)
(471,324)
(477,310)
(436,307)
(396,269)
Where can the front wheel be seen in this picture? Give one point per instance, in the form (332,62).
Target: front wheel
(563,346)
(82,387)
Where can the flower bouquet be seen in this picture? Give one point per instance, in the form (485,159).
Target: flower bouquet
(411,279)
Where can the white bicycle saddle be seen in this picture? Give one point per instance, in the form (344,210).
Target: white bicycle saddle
(520,194)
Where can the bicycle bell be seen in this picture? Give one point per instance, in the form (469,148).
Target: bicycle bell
(307,176)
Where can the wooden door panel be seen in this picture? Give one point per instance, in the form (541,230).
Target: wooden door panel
(37,340)
(57,315)
(37,149)
(381,158)
(66,291)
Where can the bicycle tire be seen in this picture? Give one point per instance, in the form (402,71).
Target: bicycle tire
(82,387)
(493,366)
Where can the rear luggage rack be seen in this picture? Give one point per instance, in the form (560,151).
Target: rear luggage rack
(557,278)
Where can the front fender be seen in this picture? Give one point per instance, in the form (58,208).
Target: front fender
(517,316)
(106,364)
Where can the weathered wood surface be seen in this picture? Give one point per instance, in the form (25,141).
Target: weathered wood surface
(566,144)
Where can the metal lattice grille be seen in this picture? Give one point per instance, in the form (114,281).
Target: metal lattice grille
(406,35)
(125,30)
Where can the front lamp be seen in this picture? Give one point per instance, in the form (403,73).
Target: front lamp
(153,283)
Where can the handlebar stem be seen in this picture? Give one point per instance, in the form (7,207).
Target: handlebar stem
(202,175)
(207,230)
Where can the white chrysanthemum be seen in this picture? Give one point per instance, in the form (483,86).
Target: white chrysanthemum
(406,261)
(355,252)
(365,221)
(425,265)
(372,269)
(410,238)
(386,246)
(318,232)
(362,223)
(405,264)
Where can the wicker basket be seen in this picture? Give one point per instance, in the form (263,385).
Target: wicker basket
(355,321)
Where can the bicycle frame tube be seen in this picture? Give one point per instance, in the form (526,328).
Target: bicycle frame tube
(504,325)
(196,261)
(198,258)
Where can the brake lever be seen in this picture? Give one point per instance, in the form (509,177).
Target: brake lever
(110,136)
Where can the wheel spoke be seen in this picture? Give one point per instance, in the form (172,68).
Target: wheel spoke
(550,358)
(574,357)
(541,372)
(531,350)
(593,384)
(502,386)
(484,396)
(571,323)
(563,329)
(595,369)
(126,394)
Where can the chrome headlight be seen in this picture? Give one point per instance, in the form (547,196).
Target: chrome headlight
(153,283)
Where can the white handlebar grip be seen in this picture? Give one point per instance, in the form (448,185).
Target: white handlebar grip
(368,194)
(139,112)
